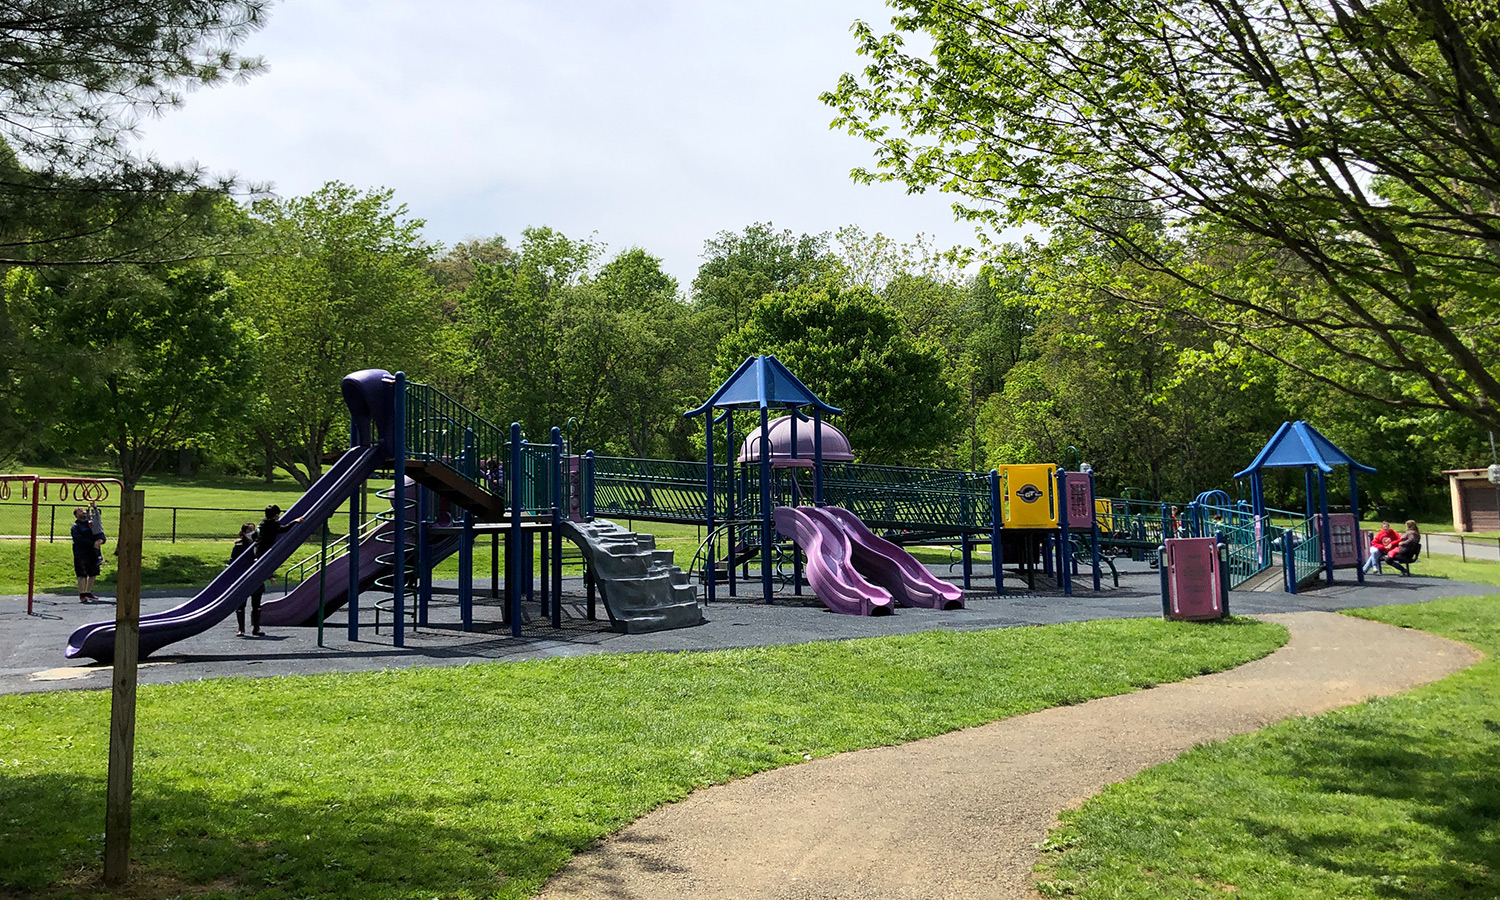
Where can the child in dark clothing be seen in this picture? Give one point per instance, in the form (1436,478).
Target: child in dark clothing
(243,544)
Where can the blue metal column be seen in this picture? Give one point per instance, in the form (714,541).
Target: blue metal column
(1094,533)
(466,572)
(1064,537)
(424,554)
(997,560)
(588,486)
(817,457)
(734,498)
(1359,570)
(398,503)
(765,503)
(514,545)
(709,563)
(1327,540)
(556,533)
(355,515)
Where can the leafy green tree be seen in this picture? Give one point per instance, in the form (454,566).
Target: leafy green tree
(75,78)
(1318,179)
(147,359)
(739,269)
(848,347)
(340,284)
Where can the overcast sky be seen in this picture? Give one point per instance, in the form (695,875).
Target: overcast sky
(652,123)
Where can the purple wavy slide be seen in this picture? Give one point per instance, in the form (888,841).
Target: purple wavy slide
(232,586)
(830,562)
(891,567)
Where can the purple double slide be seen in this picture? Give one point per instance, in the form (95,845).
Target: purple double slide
(830,562)
(233,586)
(854,571)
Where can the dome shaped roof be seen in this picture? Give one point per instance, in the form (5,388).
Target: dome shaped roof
(835,444)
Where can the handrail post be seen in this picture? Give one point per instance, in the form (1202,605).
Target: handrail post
(514,567)
(398,504)
(997,561)
(710,564)
(556,536)
(354,521)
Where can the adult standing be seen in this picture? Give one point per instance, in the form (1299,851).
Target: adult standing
(87,553)
(245,543)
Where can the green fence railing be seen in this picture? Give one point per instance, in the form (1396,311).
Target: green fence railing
(440,429)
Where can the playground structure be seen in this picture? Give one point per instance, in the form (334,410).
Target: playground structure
(462,477)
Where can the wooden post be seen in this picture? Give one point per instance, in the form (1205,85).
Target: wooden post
(122,706)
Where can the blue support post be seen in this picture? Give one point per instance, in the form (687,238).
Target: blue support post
(514,544)
(1094,533)
(997,561)
(968,557)
(1064,538)
(398,558)
(765,502)
(1359,570)
(817,457)
(1289,561)
(709,564)
(355,515)
(1327,532)
(1166,581)
(466,572)
(528,565)
(466,546)
(556,533)
(424,554)
(588,486)
(730,571)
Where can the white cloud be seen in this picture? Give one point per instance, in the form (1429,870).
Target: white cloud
(653,124)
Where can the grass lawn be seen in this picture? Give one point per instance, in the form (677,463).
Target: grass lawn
(1396,798)
(482,780)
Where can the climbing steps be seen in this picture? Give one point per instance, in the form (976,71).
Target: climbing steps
(642,589)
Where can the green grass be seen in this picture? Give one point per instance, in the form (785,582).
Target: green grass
(482,780)
(1396,798)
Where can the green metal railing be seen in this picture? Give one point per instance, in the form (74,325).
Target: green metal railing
(914,498)
(657,489)
(1306,551)
(440,429)
(1246,546)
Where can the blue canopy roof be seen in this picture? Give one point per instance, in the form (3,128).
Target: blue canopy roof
(1298,445)
(762,382)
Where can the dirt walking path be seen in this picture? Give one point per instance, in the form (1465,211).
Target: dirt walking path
(959,815)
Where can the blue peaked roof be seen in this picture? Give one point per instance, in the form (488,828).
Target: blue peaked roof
(1298,445)
(762,382)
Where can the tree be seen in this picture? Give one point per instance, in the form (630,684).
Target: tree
(340,284)
(146,359)
(75,79)
(739,269)
(1319,180)
(848,347)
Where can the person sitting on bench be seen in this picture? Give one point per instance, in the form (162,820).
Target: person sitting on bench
(1408,550)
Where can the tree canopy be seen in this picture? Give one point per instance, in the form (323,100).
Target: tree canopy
(1318,181)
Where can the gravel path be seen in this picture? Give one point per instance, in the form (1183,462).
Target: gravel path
(959,815)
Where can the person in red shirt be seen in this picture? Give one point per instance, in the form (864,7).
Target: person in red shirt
(1382,545)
